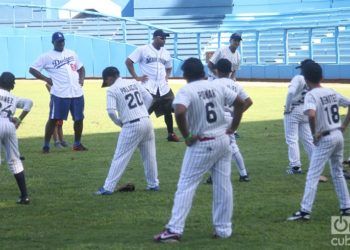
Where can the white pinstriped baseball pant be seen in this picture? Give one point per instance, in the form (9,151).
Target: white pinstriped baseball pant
(215,156)
(9,143)
(138,134)
(330,148)
(296,125)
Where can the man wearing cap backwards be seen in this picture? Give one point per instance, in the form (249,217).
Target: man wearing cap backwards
(228,52)
(296,124)
(131,101)
(66,78)
(155,64)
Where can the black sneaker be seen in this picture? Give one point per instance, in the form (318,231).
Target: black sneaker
(23,201)
(46,149)
(79,147)
(209,181)
(244,178)
(345,212)
(300,215)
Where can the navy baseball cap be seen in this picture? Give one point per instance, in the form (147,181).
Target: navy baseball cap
(303,63)
(160,33)
(57,36)
(236,36)
(107,72)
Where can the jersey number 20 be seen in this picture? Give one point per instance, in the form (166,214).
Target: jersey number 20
(134,99)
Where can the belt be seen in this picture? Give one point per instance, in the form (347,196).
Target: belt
(206,138)
(133,121)
(328,132)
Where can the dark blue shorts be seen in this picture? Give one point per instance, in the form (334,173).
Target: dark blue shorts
(60,107)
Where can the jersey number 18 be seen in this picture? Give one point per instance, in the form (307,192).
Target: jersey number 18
(332,114)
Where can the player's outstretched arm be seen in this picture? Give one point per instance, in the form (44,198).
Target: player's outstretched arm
(81,73)
(40,76)
(180,117)
(346,121)
(238,105)
(26,105)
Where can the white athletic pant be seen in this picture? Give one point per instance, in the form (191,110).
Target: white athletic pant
(138,134)
(237,156)
(9,143)
(330,148)
(296,126)
(215,156)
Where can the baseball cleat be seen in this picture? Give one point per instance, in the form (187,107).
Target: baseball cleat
(345,212)
(167,237)
(237,136)
(23,201)
(156,188)
(346,175)
(102,191)
(58,144)
(64,144)
(244,178)
(209,181)
(79,147)
(46,149)
(173,137)
(300,215)
(294,170)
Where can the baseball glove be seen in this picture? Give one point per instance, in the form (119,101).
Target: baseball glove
(129,187)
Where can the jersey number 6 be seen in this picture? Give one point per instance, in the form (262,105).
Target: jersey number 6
(211,115)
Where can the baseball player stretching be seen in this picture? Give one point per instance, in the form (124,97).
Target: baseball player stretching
(155,64)
(223,68)
(131,101)
(8,126)
(296,122)
(321,106)
(199,112)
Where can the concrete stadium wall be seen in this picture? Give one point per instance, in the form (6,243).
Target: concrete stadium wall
(20,50)
(268,6)
(330,72)
(147,8)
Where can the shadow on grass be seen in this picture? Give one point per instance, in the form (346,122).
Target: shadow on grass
(64,213)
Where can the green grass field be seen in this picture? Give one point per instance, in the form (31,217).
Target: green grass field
(64,213)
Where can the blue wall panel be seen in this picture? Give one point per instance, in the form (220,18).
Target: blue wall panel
(101,55)
(85,53)
(16,59)
(272,72)
(32,51)
(4,66)
(117,56)
(257,71)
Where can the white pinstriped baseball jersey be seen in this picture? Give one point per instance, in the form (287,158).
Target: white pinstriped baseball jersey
(153,63)
(297,90)
(237,88)
(9,103)
(326,102)
(205,107)
(129,98)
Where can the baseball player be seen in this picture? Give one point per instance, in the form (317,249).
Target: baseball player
(228,52)
(199,112)
(322,108)
(296,122)
(67,76)
(224,69)
(8,126)
(155,64)
(131,101)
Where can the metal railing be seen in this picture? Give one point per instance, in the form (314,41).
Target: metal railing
(198,34)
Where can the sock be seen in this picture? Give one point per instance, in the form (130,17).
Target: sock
(76,143)
(168,118)
(21,182)
(46,143)
(238,158)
